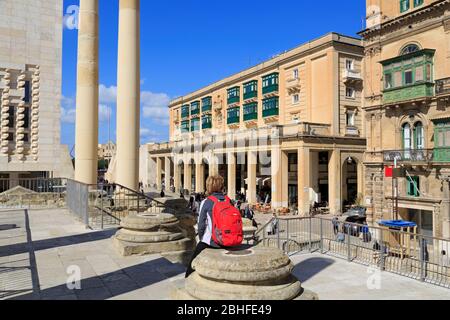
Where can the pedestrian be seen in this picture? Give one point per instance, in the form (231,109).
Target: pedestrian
(215,188)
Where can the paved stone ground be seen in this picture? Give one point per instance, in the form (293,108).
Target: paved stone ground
(336,279)
(38,249)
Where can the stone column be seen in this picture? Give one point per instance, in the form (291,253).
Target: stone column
(86,136)
(5,113)
(128,94)
(168,173)
(334,181)
(279,178)
(199,177)
(304,180)
(252,159)
(188,176)
(158,173)
(176,176)
(35,96)
(231,163)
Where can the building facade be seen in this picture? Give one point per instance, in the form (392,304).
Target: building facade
(288,131)
(30,90)
(407,116)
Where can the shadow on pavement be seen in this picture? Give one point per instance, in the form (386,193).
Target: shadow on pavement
(309,268)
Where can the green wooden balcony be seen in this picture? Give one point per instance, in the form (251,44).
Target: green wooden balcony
(271,112)
(421,90)
(234,100)
(251,116)
(250,95)
(442,154)
(206,108)
(271,89)
(233,120)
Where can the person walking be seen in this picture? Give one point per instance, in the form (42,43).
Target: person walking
(206,227)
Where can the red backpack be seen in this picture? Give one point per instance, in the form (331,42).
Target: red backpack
(227,229)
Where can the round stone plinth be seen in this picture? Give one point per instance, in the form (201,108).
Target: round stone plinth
(151,233)
(246,274)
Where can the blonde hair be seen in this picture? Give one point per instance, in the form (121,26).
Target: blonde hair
(214,184)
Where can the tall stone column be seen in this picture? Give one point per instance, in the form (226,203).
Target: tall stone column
(231,163)
(168,173)
(34,120)
(176,176)
(188,176)
(304,180)
(128,94)
(445,207)
(158,173)
(86,136)
(280,178)
(20,130)
(251,176)
(334,182)
(199,178)
(5,114)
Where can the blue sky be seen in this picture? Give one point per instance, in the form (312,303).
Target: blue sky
(187,44)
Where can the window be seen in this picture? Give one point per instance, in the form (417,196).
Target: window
(410,48)
(11,113)
(349,92)
(195,107)
(418,3)
(27,92)
(349,64)
(251,111)
(419,137)
(185,126)
(404,5)
(295,74)
(406,133)
(26,119)
(413,186)
(388,81)
(206,122)
(195,124)
(350,118)
(185,111)
(206,104)
(295,98)
(408,77)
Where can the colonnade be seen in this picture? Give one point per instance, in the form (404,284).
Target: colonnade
(189,171)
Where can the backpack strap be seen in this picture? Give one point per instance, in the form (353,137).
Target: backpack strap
(216,201)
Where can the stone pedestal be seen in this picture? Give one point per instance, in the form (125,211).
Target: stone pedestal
(148,233)
(244,274)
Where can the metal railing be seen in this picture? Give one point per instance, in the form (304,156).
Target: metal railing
(32,193)
(416,256)
(442,86)
(418,155)
(97,206)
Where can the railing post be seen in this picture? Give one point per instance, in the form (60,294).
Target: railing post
(321,235)
(101,207)
(287,236)
(422,258)
(278,232)
(349,239)
(382,249)
(310,233)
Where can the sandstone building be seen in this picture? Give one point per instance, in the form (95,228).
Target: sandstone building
(30,90)
(289,130)
(406,105)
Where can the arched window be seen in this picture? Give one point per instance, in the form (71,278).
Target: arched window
(419,137)
(406,137)
(410,48)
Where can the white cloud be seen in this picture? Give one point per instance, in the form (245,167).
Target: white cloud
(155,106)
(68,111)
(104,112)
(107,94)
(148,134)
